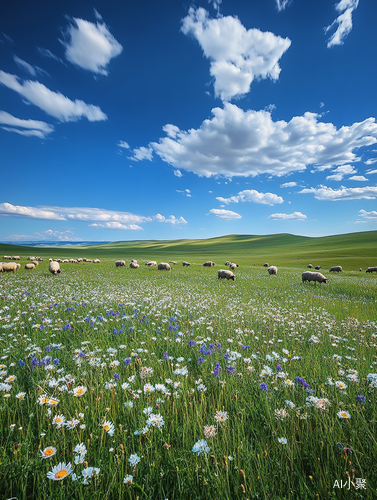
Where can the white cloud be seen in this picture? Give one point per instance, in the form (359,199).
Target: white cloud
(340,172)
(178,173)
(293,216)
(123,144)
(117,225)
(343,22)
(224,214)
(288,184)
(281,4)
(50,235)
(371,161)
(248,143)
(368,216)
(53,103)
(237,55)
(186,192)
(142,153)
(170,220)
(47,53)
(371,172)
(25,127)
(329,194)
(90,46)
(7,209)
(25,65)
(358,178)
(253,196)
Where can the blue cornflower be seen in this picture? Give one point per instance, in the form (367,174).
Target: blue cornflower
(22,363)
(230,369)
(360,398)
(279,368)
(127,361)
(116,376)
(200,360)
(264,386)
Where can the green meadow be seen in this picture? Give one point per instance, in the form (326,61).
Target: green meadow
(119,383)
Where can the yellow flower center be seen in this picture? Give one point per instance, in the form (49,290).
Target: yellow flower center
(53,402)
(58,420)
(49,451)
(45,400)
(106,427)
(61,473)
(79,391)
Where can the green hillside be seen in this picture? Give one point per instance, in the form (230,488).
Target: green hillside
(351,250)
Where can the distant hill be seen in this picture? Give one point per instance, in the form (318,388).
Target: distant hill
(54,243)
(352,250)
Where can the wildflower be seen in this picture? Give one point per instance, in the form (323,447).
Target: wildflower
(148,388)
(128,404)
(59,421)
(221,416)
(343,414)
(290,404)
(80,459)
(341,385)
(108,427)
(48,452)
(134,460)
(263,386)
(209,431)
(11,378)
(200,447)
(200,360)
(71,424)
(128,479)
(116,376)
(359,399)
(21,395)
(60,471)
(339,446)
(80,449)
(281,414)
(155,420)
(79,391)
(282,440)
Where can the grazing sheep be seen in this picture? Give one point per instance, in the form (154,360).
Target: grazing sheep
(31,265)
(371,269)
(54,268)
(360,269)
(173,262)
(96,261)
(224,273)
(120,263)
(272,270)
(151,263)
(134,265)
(40,259)
(336,269)
(10,267)
(16,257)
(310,266)
(134,260)
(209,263)
(312,276)
(233,266)
(185,264)
(266,265)
(164,266)
(317,268)
(35,262)
(227,263)
(31,258)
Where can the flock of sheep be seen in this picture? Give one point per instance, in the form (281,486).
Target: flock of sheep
(54,267)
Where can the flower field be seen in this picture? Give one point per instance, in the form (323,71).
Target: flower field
(138,383)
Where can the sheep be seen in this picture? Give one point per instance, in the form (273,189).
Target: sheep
(18,266)
(54,268)
(272,270)
(227,263)
(233,266)
(31,258)
(29,266)
(151,263)
(224,273)
(9,267)
(16,257)
(164,266)
(40,259)
(371,269)
(134,260)
(310,266)
(134,265)
(266,265)
(96,261)
(209,263)
(317,268)
(185,264)
(120,263)
(35,262)
(360,269)
(173,262)
(312,276)
(336,269)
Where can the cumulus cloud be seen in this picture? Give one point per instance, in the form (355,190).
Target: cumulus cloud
(25,127)
(340,172)
(329,194)
(253,196)
(343,22)
(123,144)
(368,216)
(248,143)
(142,153)
(49,234)
(288,184)
(178,173)
(90,46)
(371,161)
(372,172)
(52,103)
(358,178)
(293,216)
(281,4)
(109,219)
(237,55)
(224,214)
(117,225)
(186,192)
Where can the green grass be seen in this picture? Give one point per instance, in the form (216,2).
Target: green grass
(313,332)
(351,251)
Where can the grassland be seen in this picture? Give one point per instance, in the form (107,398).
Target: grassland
(143,384)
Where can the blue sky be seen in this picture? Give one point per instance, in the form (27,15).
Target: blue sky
(168,120)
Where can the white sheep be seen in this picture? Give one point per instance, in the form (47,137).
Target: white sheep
(185,264)
(134,265)
(266,265)
(10,267)
(312,276)
(54,268)
(209,263)
(224,273)
(151,263)
(164,266)
(272,270)
(336,269)
(120,263)
(371,269)
(31,265)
